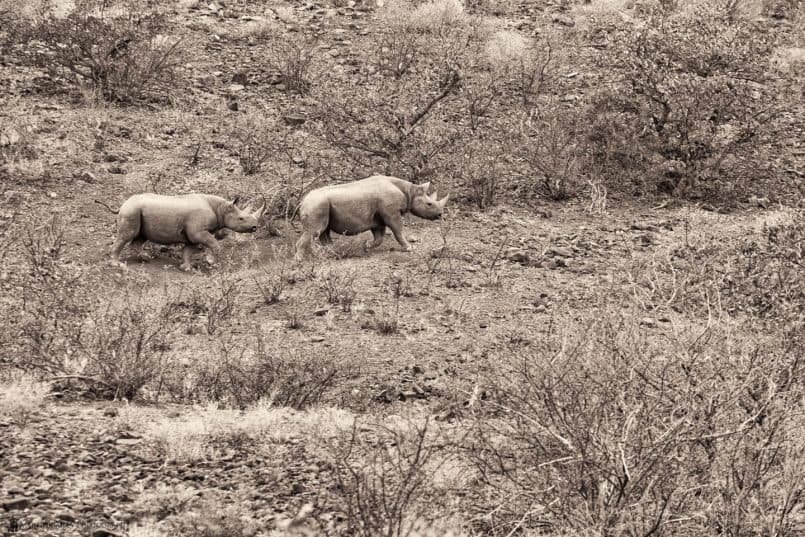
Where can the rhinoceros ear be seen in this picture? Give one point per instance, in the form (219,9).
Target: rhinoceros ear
(235,200)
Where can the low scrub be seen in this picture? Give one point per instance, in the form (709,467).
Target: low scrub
(21,396)
(603,427)
(241,377)
(695,107)
(121,49)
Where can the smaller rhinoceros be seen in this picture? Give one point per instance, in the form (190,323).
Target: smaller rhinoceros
(371,204)
(192,219)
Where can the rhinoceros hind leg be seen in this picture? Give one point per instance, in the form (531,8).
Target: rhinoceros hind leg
(325,238)
(377,233)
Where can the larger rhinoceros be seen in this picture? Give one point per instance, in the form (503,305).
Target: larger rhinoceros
(192,219)
(372,204)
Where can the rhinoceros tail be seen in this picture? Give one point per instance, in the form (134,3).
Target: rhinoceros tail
(105,205)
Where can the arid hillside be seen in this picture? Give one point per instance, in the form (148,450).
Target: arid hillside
(603,334)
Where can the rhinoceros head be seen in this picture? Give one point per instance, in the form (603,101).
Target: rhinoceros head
(426,205)
(242,220)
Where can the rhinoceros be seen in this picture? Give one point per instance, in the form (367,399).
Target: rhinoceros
(192,219)
(371,204)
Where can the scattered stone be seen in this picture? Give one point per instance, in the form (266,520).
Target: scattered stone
(560,251)
(418,369)
(762,203)
(88,177)
(102,532)
(53,195)
(645,227)
(235,88)
(110,412)
(564,21)
(66,517)
(240,79)
(648,322)
(317,339)
(518,255)
(117,170)
(17,504)
(293,120)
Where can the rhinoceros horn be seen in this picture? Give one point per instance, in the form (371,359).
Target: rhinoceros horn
(259,212)
(442,202)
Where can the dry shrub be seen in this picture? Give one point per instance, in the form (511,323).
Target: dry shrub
(693,111)
(239,377)
(603,427)
(21,395)
(762,277)
(120,49)
(386,479)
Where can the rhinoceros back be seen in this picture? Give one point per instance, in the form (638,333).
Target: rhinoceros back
(164,219)
(352,208)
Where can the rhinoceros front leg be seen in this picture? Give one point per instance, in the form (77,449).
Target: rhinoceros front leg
(304,245)
(377,234)
(205,239)
(394,221)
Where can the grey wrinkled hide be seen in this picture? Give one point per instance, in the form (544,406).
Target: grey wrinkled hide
(370,204)
(192,219)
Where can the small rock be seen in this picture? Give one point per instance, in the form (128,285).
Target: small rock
(518,255)
(53,195)
(645,227)
(66,517)
(240,79)
(560,251)
(88,177)
(110,412)
(762,203)
(321,312)
(101,532)
(232,105)
(293,120)
(116,170)
(648,322)
(317,339)
(564,21)
(17,504)
(235,88)
(418,369)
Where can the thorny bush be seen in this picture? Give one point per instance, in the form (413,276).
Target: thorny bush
(615,432)
(120,49)
(692,103)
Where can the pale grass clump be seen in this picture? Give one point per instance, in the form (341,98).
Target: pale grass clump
(195,437)
(506,48)
(439,13)
(20,397)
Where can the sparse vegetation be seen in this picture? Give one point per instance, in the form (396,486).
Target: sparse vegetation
(602,336)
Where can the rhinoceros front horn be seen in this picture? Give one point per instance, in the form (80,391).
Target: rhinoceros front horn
(442,202)
(259,212)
